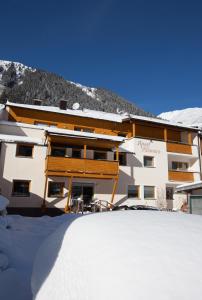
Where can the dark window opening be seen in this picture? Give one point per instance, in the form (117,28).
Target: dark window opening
(24,150)
(55,189)
(100,155)
(21,188)
(169,193)
(133,191)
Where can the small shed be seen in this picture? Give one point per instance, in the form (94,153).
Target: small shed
(194,196)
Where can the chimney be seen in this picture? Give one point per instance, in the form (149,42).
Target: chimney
(63,104)
(37,102)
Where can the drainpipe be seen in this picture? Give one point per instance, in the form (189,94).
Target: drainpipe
(199,154)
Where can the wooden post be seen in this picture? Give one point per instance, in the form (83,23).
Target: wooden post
(43,206)
(165,135)
(69,195)
(189,138)
(117,153)
(114,190)
(84,151)
(133,129)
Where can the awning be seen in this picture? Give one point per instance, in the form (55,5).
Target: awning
(189,186)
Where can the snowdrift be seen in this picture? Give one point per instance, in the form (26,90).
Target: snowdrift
(122,255)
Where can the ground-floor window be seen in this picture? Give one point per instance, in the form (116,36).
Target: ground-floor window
(55,189)
(133,191)
(21,188)
(149,192)
(169,193)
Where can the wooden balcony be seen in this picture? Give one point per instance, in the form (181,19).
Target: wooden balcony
(179,148)
(80,167)
(180,176)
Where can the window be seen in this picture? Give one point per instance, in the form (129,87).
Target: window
(55,189)
(148,161)
(149,192)
(76,153)
(179,165)
(123,134)
(58,151)
(84,129)
(133,191)
(100,155)
(24,150)
(122,159)
(21,188)
(169,193)
(43,124)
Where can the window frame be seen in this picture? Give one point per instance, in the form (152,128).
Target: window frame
(13,194)
(103,152)
(178,168)
(138,190)
(154,196)
(153,162)
(62,186)
(18,145)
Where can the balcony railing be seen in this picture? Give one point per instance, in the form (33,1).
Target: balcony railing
(179,148)
(81,166)
(180,176)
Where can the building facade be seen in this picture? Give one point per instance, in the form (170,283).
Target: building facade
(51,156)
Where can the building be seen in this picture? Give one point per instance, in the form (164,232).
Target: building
(51,155)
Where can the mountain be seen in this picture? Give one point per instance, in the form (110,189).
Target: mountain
(188,116)
(22,84)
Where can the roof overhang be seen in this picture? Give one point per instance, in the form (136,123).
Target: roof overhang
(189,186)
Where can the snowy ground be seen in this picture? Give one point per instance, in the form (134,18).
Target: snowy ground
(18,247)
(104,256)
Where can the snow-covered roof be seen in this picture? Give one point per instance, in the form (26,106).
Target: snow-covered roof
(189,186)
(17,138)
(86,113)
(81,134)
(160,121)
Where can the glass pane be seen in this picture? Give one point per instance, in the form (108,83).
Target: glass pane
(149,192)
(55,189)
(100,155)
(148,161)
(76,192)
(133,191)
(21,188)
(169,193)
(58,152)
(24,150)
(174,165)
(76,153)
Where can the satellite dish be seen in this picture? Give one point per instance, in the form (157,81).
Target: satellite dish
(75,106)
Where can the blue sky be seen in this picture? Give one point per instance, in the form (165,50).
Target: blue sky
(148,51)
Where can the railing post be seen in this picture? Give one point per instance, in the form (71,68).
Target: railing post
(84,151)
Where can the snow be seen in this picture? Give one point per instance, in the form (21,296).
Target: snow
(91,92)
(4,202)
(17,138)
(122,255)
(159,121)
(20,68)
(83,134)
(87,113)
(188,116)
(18,247)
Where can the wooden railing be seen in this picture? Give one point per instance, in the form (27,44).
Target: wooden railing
(180,176)
(82,166)
(179,148)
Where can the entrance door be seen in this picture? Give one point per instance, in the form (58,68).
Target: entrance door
(195,204)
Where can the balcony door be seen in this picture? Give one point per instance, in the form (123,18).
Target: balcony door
(83,191)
